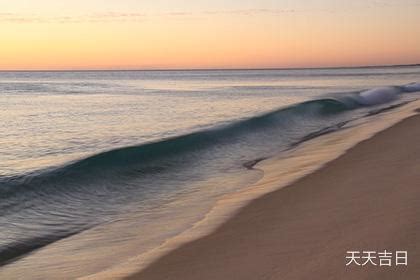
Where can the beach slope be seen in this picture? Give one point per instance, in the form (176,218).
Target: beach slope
(366,200)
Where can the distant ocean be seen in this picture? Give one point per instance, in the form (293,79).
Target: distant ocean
(98,167)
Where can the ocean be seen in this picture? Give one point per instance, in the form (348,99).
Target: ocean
(98,167)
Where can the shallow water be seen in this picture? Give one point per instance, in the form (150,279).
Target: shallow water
(107,165)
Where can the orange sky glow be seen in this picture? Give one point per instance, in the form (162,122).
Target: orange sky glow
(202,34)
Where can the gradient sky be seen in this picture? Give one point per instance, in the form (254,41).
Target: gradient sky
(128,34)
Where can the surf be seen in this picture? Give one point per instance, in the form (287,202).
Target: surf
(86,192)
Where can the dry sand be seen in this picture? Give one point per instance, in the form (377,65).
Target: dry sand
(367,199)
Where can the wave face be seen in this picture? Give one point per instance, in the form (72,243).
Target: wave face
(379,95)
(44,206)
(413,87)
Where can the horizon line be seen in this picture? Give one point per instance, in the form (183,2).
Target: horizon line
(209,69)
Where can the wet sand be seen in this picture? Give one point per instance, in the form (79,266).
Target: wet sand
(366,200)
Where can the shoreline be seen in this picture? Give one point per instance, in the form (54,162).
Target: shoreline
(165,265)
(275,173)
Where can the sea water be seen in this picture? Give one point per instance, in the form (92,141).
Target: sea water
(98,167)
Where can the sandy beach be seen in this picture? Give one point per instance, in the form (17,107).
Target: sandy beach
(366,200)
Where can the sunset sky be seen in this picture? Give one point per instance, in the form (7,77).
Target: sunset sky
(152,34)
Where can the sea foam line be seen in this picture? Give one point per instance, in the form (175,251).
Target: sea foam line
(278,172)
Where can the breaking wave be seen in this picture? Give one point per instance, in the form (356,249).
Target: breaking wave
(73,193)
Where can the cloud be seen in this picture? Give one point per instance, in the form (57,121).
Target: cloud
(250,12)
(126,16)
(104,17)
(95,17)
